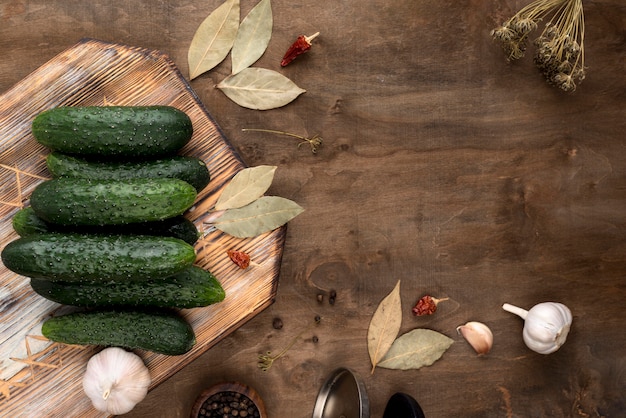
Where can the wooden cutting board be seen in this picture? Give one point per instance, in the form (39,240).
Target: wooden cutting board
(40,378)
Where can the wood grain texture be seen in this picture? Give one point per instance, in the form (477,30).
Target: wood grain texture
(443,166)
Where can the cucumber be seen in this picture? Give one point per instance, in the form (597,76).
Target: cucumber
(190,169)
(78,257)
(160,332)
(26,222)
(114,131)
(193,287)
(110,202)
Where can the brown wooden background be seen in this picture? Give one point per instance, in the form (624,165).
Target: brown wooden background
(443,166)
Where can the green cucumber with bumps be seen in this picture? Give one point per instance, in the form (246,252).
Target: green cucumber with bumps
(26,222)
(74,202)
(190,169)
(193,287)
(160,331)
(82,257)
(114,131)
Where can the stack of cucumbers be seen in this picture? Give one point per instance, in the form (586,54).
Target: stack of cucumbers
(107,232)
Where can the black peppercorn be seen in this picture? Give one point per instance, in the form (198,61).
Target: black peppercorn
(228,404)
(332,297)
(277,323)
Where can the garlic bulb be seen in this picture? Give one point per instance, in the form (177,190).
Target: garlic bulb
(478,335)
(546,325)
(116,380)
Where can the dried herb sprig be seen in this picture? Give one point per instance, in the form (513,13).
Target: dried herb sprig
(19,202)
(315,142)
(267,360)
(560,54)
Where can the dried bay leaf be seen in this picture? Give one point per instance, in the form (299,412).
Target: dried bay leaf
(246,186)
(263,215)
(259,88)
(253,36)
(384,326)
(417,348)
(214,38)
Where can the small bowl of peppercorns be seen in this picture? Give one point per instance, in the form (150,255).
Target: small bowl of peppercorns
(229,399)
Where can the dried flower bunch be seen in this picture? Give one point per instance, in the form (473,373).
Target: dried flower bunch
(559,49)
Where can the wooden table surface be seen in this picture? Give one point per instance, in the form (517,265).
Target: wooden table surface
(443,166)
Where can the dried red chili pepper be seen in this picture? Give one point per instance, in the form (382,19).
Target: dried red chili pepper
(427,305)
(300,46)
(240,258)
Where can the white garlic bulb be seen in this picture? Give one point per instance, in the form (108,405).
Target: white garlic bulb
(116,380)
(546,325)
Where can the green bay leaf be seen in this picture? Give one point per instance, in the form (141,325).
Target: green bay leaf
(263,215)
(259,88)
(253,36)
(246,186)
(214,38)
(384,326)
(415,349)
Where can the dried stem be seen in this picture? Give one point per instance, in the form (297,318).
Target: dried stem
(315,142)
(522,313)
(26,173)
(311,37)
(18,184)
(560,51)
(267,360)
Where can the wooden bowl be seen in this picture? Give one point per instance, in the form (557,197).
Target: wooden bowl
(209,399)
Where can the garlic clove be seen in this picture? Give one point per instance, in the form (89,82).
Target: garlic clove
(478,335)
(116,380)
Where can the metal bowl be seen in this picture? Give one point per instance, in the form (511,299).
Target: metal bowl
(343,395)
